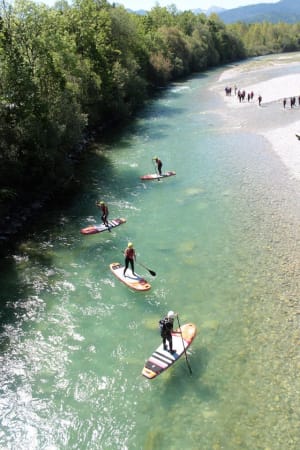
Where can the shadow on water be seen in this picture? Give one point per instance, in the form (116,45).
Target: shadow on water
(178,387)
(94,177)
(180,380)
(8,285)
(23,252)
(23,255)
(146,125)
(12,289)
(99,172)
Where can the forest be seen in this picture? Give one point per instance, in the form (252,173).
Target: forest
(71,69)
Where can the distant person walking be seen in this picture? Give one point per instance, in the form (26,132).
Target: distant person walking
(293,101)
(259,100)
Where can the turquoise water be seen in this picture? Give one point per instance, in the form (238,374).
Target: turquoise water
(223,238)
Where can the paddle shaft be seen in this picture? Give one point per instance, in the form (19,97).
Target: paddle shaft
(186,358)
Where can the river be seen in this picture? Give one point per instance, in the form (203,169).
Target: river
(223,238)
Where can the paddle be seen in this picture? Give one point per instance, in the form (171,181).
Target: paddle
(186,358)
(149,270)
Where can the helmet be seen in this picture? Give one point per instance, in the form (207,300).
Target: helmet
(155,157)
(130,244)
(171,315)
(101,203)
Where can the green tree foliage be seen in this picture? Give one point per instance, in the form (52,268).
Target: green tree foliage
(40,117)
(176,50)
(265,38)
(70,67)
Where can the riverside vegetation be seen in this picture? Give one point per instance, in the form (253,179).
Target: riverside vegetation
(67,70)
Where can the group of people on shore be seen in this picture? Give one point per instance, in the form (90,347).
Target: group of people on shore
(292,102)
(241,94)
(166,323)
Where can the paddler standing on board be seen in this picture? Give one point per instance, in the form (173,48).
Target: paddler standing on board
(130,257)
(166,330)
(158,163)
(104,211)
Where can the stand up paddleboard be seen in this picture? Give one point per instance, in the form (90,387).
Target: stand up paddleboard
(93,229)
(155,176)
(135,282)
(161,359)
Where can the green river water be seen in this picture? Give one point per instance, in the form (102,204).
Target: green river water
(222,236)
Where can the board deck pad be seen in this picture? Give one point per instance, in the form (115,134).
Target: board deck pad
(155,176)
(93,229)
(135,282)
(161,359)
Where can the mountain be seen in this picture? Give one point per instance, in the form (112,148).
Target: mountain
(212,9)
(284,11)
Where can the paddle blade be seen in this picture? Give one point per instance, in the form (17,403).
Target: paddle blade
(149,270)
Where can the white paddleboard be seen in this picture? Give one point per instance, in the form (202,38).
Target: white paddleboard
(135,282)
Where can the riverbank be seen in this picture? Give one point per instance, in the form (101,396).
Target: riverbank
(278,123)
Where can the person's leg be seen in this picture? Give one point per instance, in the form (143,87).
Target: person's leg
(170,344)
(164,342)
(106,222)
(132,266)
(126,266)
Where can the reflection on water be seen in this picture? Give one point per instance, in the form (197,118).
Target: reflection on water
(223,238)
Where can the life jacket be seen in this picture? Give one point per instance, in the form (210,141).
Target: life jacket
(166,325)
(104,209)
(129,253)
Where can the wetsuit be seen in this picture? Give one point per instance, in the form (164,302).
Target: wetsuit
(159,165)
(166,332)
(129,259)
(104,210)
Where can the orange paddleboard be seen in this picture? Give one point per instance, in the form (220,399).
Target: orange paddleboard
(135,282)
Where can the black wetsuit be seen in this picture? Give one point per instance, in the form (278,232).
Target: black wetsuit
(166,327)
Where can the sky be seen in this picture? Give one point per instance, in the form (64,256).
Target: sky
(183,5)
